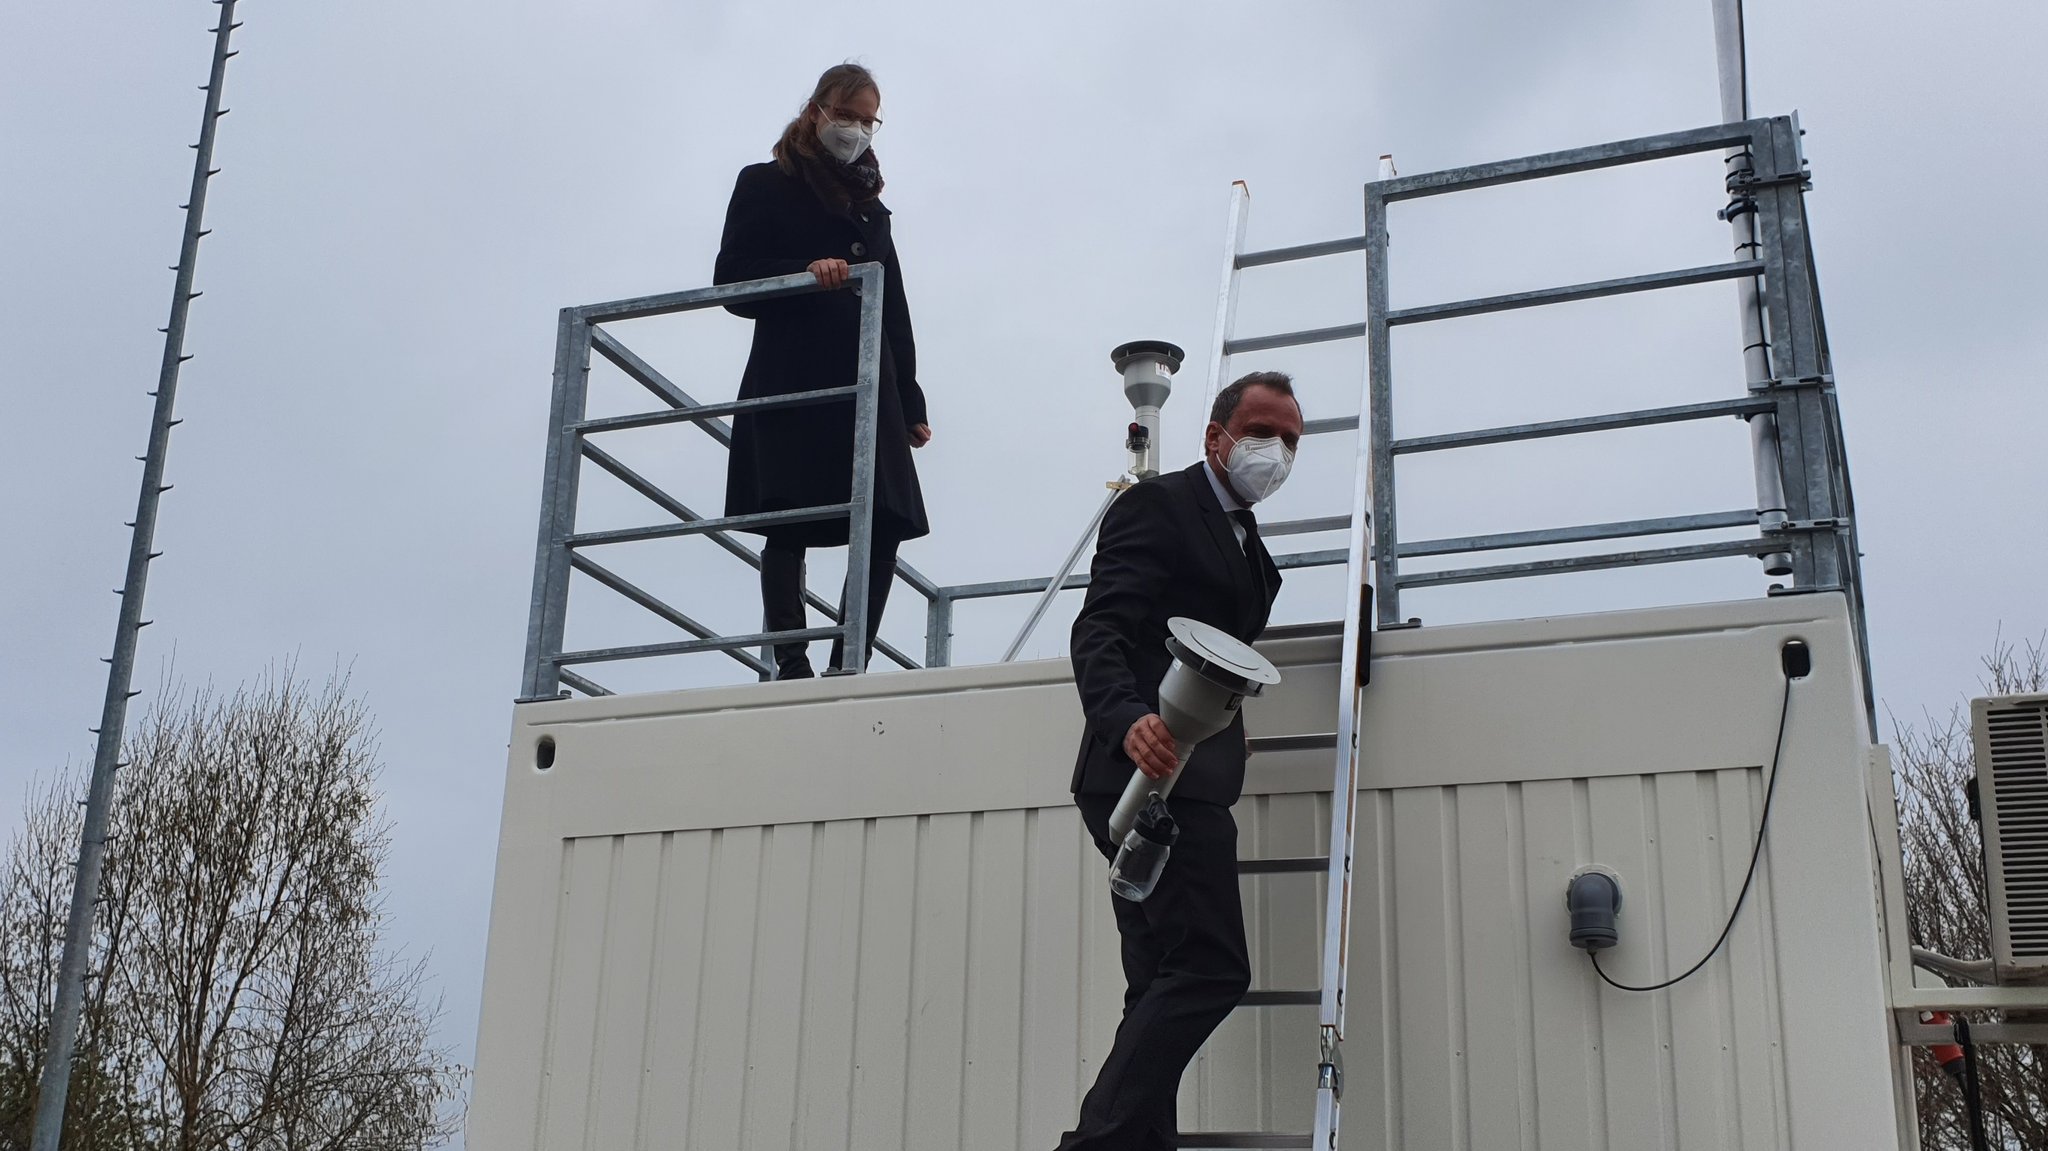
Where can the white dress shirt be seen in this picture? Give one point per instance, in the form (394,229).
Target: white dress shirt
(1229,501)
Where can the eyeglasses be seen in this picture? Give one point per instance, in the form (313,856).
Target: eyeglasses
(846,116)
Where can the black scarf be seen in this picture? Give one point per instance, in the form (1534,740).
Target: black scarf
(840,186)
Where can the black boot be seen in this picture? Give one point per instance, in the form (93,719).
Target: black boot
(782,607)
(881,574)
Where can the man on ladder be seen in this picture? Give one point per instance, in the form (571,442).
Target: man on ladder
(1181,544)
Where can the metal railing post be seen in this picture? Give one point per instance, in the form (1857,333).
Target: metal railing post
(861,518)
(1813,457)
(1805,456)
(1380,419)
(938,631)
(548,610)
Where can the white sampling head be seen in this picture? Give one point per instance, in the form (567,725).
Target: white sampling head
(1147,367)
(1212,674)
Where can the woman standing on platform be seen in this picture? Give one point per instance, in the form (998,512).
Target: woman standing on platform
(817,207)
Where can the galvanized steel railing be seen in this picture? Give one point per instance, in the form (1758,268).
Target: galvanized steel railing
(1803,478)
(562,550)
(1804,509)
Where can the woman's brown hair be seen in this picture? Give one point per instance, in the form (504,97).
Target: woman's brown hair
(840,83)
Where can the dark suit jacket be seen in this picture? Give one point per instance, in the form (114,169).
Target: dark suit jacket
(788,458)
(1166,549)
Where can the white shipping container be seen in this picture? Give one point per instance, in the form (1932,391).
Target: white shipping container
(860,913)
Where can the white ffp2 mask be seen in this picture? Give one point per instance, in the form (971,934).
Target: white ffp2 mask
(1258,465)
(844,142)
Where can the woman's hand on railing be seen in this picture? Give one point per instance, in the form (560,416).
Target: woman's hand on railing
(920,435)
(830,273)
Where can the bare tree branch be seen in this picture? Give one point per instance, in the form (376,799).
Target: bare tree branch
(242,999)
(1947,905)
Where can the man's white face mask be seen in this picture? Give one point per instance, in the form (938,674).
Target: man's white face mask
(1258,465)
(844,141)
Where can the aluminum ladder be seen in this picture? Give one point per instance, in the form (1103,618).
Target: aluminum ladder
(1357,558)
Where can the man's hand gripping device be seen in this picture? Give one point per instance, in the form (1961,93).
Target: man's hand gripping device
(1211,676)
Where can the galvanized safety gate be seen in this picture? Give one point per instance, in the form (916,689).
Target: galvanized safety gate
(1803,482)
(1802,462)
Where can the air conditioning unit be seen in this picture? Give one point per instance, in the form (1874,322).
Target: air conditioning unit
(2011,734)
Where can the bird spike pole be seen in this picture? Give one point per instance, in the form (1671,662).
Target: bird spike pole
(56,1082)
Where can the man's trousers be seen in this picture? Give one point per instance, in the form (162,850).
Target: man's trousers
(1185,968)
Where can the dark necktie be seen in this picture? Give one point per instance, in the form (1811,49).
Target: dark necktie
(1244,519)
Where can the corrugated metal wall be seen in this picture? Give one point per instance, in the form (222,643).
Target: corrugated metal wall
(1473,1023)
(939,981)
(948,981)
(855,915)
(798,985)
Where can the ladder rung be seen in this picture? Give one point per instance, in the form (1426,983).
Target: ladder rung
(1262,744)
(1302,630)
(1333,424)
(1304,527)
(1293,339)
(1280,999)
(1283,865)
(1243,1139)
(1328,557)
(1302,252)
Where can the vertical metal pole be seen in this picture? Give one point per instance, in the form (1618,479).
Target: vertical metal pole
(1733,69)
(1806,458)
(1226,296)
(1344,812)
(1811,457)
(547,614)
(1377,426)
(1371,549)
(1847,553)
(938,631)
(861,525)
(63,1038)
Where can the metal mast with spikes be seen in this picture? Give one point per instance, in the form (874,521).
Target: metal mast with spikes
(56,1081)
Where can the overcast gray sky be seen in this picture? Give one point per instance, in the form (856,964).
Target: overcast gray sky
(409,191)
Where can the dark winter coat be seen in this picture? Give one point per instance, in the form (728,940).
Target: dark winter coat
(801,457)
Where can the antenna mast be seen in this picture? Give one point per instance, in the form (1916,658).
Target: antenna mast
(56,1081)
